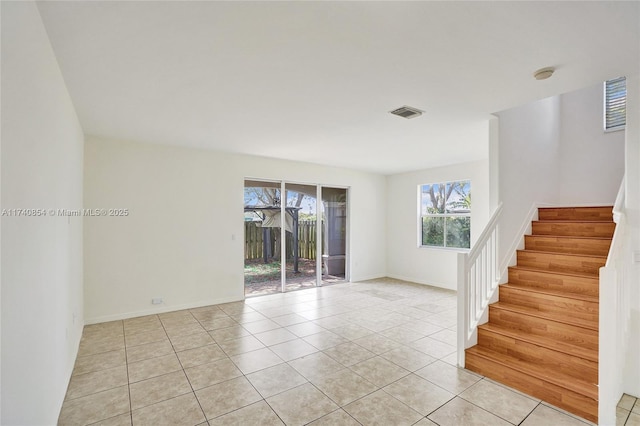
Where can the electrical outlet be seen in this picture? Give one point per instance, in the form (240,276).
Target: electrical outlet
(156,301)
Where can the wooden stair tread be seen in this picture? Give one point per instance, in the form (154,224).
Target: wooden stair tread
(561,262)
(575,244)
(555,253)
(567,221)
(554,273)
(568,237)
(561,318)
(549,343)
(548,328)
(556,377)
(582,228)
(542,334)
(572,282)
(556,293)
(600,213)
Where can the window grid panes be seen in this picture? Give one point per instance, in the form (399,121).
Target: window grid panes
(445,214)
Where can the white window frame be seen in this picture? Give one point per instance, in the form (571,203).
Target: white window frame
(445,215)
(615,96)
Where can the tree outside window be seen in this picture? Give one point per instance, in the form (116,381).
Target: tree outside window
(445,214)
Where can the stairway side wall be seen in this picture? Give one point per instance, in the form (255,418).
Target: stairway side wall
(554,152)
(588,154)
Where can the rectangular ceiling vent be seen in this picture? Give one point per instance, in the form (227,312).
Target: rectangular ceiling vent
(407,112)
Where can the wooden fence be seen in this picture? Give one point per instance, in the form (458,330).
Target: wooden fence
(254,240)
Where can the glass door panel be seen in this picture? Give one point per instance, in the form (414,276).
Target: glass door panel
(262,236)
(300,242)
(334,235)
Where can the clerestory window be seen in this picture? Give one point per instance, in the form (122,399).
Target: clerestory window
(615,104)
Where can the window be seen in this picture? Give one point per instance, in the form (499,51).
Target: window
(615,104)
(445,214)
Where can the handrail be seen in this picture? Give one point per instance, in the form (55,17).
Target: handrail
(486,233)
(478,278)
(615,315)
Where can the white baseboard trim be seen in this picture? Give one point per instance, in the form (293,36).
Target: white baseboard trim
(161,310)
(367,277)
(423,282)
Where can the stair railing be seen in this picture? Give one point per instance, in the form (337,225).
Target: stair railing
(478,279)
(615,316)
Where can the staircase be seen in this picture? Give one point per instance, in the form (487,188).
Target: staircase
(542,335)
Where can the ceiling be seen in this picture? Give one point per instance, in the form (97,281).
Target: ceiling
(315,81)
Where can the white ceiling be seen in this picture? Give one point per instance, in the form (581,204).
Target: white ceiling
(314,81)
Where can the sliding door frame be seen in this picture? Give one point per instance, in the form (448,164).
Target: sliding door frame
(319,230)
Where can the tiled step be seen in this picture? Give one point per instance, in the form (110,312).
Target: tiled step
(535,323)
(599,213)
(544,352)
(574,395)
(559,262)
(596,229)
(569,307)
(567,244)
(558,281)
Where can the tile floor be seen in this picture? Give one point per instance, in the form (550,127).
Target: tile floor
(380,352)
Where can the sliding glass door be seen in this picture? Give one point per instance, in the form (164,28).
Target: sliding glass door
(262,237)
(300,241)
(334,232)
(286,225)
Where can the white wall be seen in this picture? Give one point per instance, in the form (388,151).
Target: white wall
(632,197)
(407,261)
(588,154)
(529,155)
(183,239)
(42,145)
(555,152)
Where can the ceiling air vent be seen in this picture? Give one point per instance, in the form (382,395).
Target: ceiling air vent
(407,112)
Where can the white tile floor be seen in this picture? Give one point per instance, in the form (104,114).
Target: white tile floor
(380,352)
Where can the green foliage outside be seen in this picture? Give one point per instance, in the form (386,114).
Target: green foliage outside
(459,232)
(453,198)
(433,231)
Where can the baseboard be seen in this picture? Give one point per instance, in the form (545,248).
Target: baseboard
(367,277)
(161,310)
(423,282)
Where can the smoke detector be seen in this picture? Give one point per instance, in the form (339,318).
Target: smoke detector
(407,112)
(543,73)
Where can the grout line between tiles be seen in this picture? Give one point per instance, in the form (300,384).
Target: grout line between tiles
(346,316)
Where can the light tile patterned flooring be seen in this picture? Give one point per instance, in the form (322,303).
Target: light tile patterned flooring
(377,352)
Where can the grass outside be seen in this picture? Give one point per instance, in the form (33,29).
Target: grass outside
(256,271)
(264,278)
